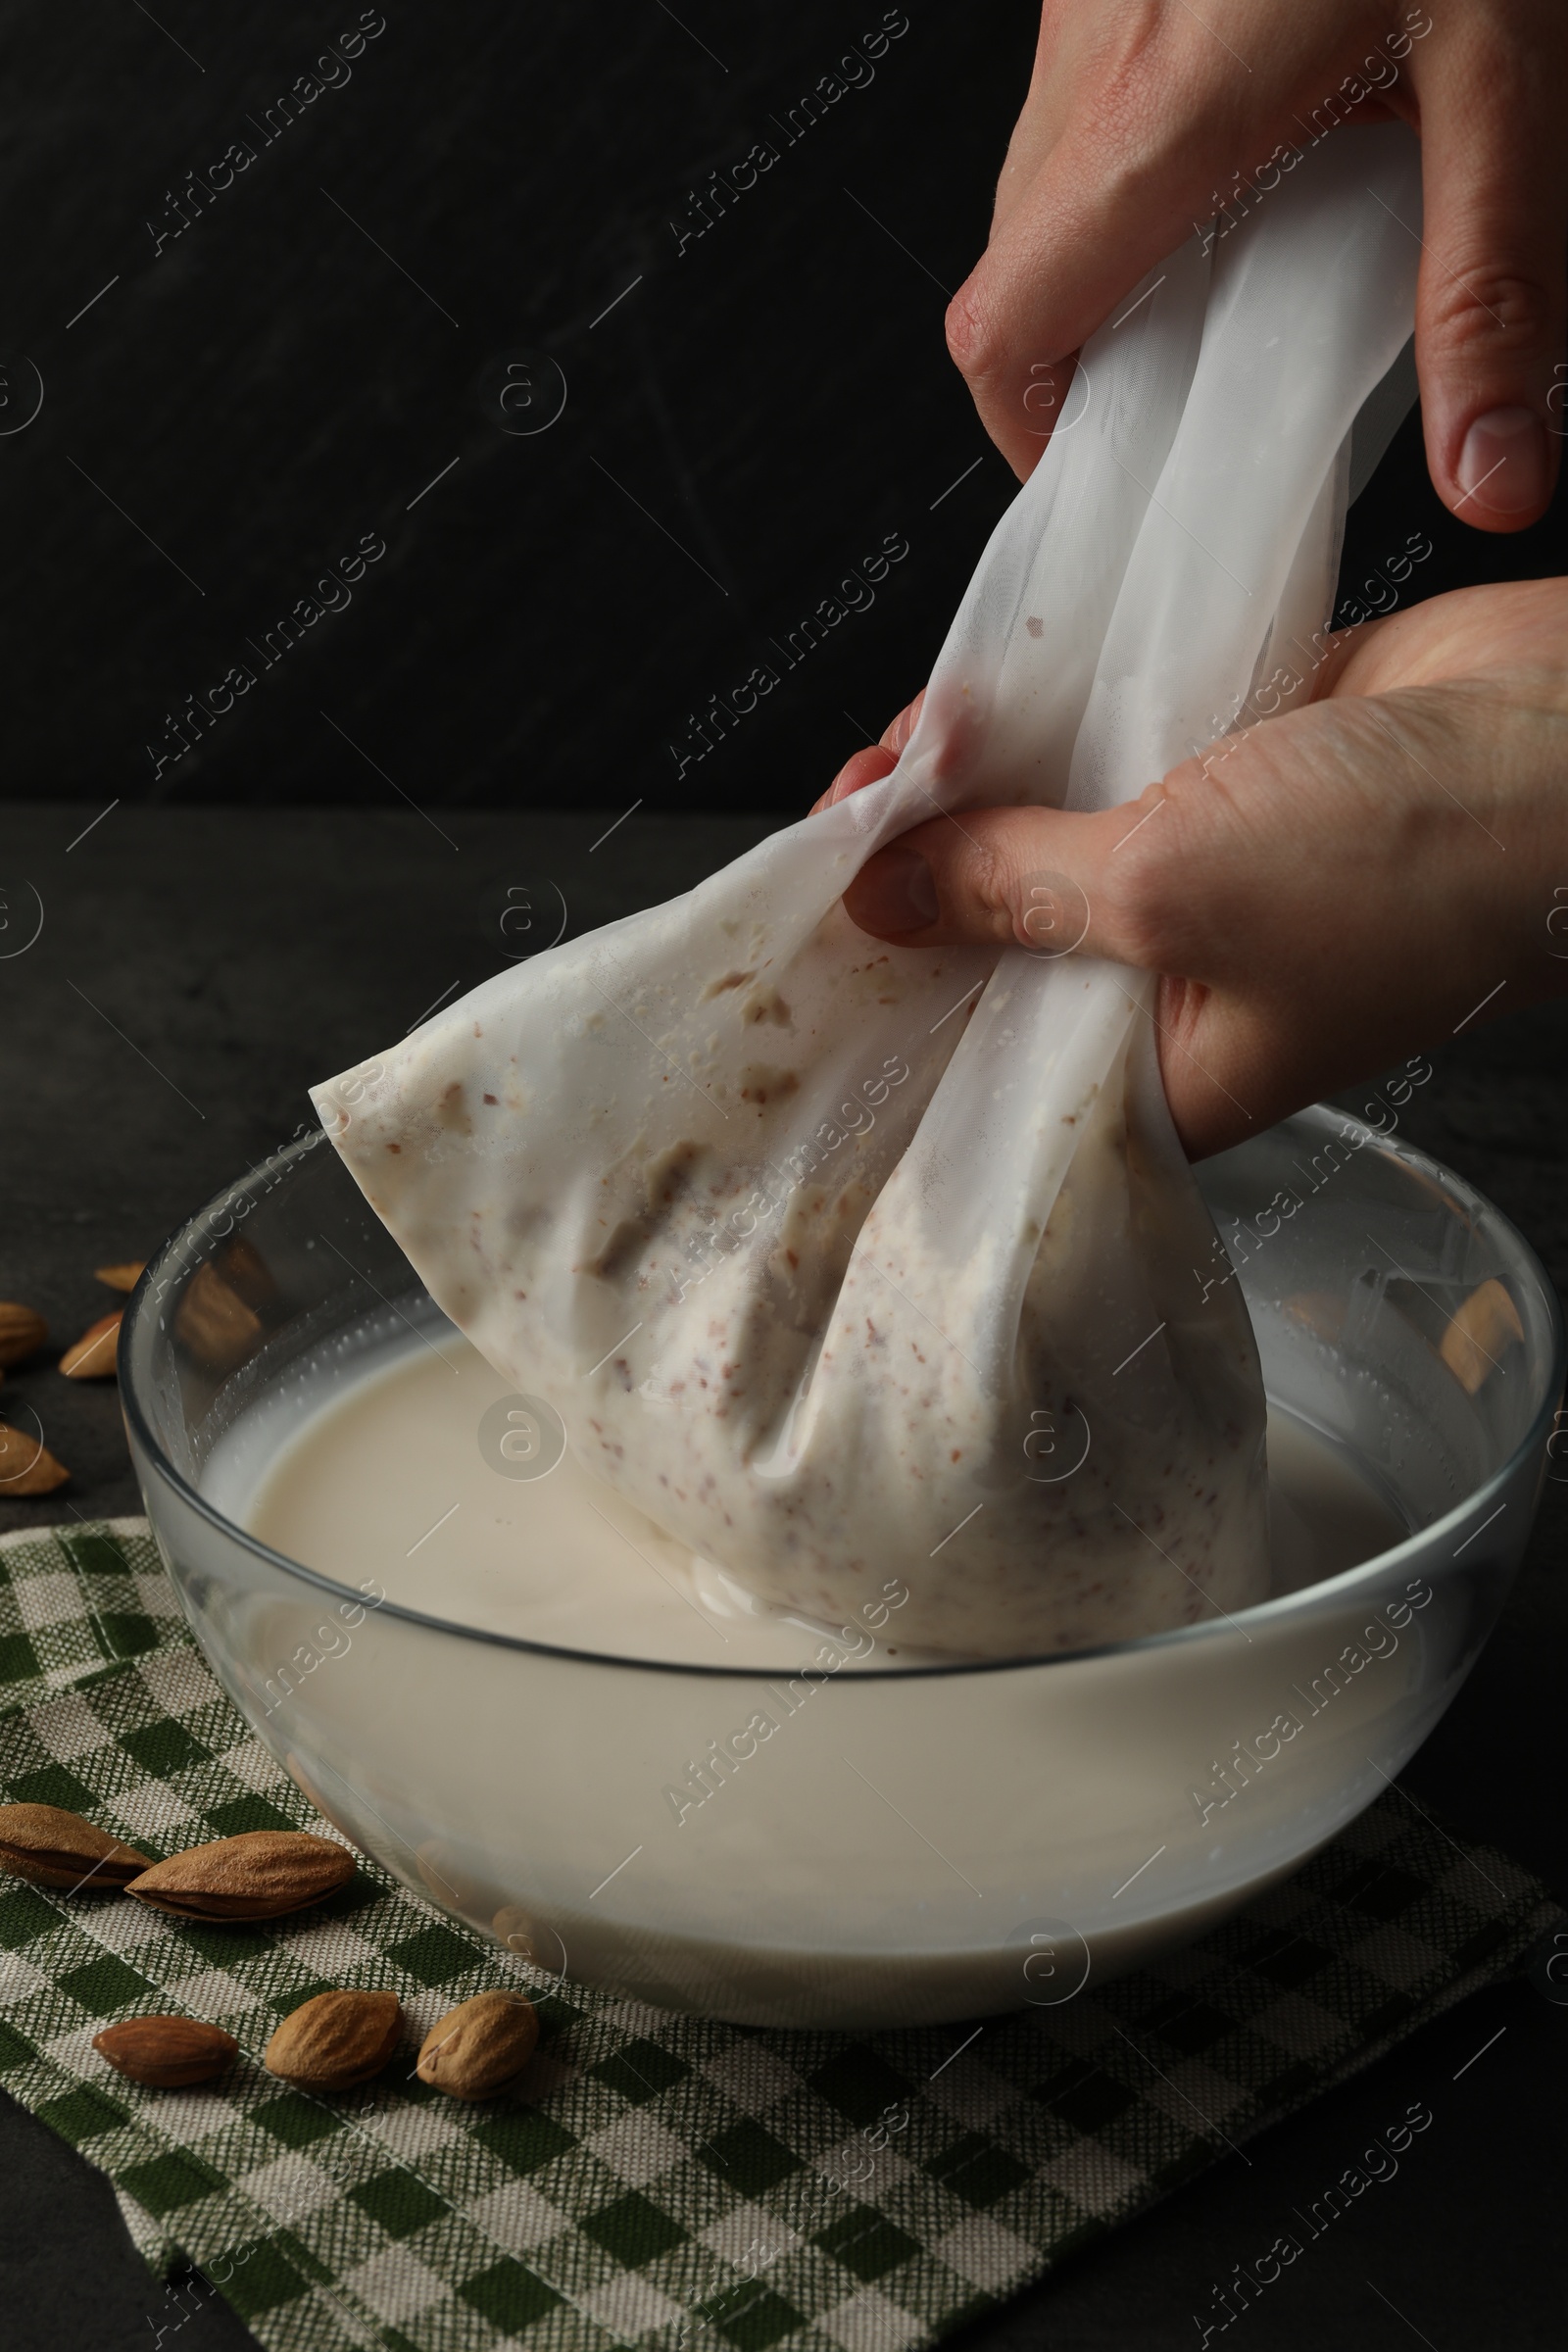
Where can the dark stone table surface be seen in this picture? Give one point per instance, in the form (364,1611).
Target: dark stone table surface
(196,969)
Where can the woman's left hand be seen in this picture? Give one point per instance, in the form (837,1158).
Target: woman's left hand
(1322,894)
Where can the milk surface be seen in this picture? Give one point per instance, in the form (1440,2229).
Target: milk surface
(389,1479)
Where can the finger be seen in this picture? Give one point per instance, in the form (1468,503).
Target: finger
(1103,208)
(1141,125)
(1491,298)
(859,769)
(877,761)
(895,734)
(1050,882)
(1233,1057)
(1233,1066)
(1216,1061)
(1038,878)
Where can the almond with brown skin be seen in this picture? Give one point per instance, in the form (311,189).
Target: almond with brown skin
(21,1332)
(93,1357)
(335,2041)
(27,1465)
(479,2045)
(515,1927)
(166,2053)
(1478,1334)
(214,1323)
(262,1874)
(247,1272)
(122,1278)
(56,1849)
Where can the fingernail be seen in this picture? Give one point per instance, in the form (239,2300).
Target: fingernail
(894,894)
(1504,464)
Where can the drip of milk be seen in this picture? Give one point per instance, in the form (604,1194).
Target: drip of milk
(378,1470)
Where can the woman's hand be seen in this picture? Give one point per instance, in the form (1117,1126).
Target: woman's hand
(1145,118)
(1324,893)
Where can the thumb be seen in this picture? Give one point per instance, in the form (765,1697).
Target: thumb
(1490,299)
(1046,879)
(1111,884)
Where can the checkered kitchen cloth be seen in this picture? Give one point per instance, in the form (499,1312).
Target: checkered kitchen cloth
(655,2182)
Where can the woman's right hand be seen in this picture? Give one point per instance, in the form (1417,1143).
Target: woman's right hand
(1146,118)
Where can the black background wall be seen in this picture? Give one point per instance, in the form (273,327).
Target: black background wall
(248,377)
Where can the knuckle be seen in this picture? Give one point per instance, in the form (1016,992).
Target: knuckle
(1487,309)
(998,326)
(972,878)
(967,340)
(990,886)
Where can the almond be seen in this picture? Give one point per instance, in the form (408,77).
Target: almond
(94,1354)
(214,1323)
(1321,1313)
(122,1278)
(514,1927)
(529,1938)
(27,1465)
(247,1273)
(335,2041)
(56,1849)
(1478,1334)
(262,1874)
(479,2045)
(21,1332)
(168,2053)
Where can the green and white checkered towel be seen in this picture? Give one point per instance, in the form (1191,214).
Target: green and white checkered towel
(651,2181)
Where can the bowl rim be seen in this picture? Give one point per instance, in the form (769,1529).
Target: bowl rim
(1304,1601)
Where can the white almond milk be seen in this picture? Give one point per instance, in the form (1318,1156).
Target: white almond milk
(387,1479)
(757,1816)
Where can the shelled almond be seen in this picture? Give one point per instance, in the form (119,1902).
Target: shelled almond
(261,1873)
(479,2045)
(94,1355)
(332,2041)
(54,1848)
(214,1322)
(335,2039)
(27,1465)
(166,2053)
(122,1278)
(1479,1334)
(21,1332)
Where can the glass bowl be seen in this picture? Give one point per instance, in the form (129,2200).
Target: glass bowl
(876,1848)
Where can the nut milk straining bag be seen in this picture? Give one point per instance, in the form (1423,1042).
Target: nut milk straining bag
(840,1259)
